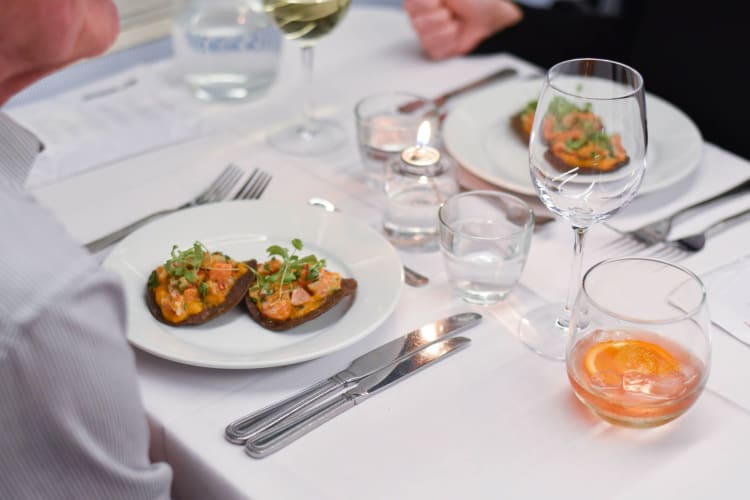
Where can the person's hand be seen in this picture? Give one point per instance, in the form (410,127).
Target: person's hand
(448,28)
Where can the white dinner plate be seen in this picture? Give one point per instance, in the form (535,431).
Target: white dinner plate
(477,133)
(243,230)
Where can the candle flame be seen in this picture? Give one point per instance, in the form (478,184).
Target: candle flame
(423,134)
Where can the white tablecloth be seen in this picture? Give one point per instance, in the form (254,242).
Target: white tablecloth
(494,421)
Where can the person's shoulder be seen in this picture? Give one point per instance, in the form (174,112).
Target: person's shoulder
(39,259)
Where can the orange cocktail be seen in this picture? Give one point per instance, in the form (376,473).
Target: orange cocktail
(638,351)
(634,378)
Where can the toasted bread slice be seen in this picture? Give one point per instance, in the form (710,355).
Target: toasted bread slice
(588,158)
(518,125)
(232,298)
(522,121)
(348,291)
(562,166)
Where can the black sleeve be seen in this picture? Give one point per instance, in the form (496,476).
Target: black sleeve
(563,31)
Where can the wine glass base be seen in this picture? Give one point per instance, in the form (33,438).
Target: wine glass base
(543,332)
(319,137)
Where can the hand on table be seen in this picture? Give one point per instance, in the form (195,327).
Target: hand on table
(448,28)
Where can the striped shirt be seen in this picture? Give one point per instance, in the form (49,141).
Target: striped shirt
(72,424)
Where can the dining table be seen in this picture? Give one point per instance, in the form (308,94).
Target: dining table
(495,420)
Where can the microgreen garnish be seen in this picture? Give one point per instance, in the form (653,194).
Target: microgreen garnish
(559,107)
(530,107)
(575,144)
(293,268)
(153,280)
(186,263)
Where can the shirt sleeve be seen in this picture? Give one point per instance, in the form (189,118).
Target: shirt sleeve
(546,36)
(72,424)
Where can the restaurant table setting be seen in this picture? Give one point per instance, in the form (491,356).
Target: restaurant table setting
(494,419)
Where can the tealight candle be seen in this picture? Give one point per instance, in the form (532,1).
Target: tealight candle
(421,155)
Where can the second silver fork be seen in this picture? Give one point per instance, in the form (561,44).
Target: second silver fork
(658,232)
(681,248)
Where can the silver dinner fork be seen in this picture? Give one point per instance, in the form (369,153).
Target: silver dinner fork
(658,232)
(254,186)
(218,190)
(680,248)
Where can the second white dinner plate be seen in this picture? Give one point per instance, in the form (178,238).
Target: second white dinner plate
(244,230)
(477,133)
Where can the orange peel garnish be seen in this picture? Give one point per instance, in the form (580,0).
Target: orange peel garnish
(628,355)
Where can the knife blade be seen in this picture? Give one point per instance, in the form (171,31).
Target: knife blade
(441,99)
(277,437)
(240,430)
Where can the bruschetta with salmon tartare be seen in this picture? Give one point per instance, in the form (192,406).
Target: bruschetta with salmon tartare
(290,290)
(196,285)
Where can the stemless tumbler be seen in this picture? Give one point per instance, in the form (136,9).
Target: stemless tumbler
(485,238)
(639,350)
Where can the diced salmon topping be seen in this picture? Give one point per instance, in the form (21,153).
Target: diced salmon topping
(299,296)
(279,310)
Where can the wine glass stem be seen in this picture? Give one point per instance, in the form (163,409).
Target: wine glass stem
(308,124)
(575,275)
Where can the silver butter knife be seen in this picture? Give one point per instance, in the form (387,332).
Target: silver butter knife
(442,99)
(239,431)
(275,438)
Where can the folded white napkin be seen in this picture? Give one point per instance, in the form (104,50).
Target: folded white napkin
(728,300)
(718,170)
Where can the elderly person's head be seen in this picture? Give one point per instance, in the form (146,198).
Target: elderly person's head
(38,37)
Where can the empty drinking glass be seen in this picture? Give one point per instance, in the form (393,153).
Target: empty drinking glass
(587,157)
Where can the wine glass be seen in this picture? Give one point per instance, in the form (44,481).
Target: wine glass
(639,350)
(306,21)
(587,157)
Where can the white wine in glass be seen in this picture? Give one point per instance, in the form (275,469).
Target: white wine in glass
(306,21)
(587,158)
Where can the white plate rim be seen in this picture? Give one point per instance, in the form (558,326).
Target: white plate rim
(129,259)
(668,129)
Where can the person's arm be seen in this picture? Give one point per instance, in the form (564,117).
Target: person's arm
(72,424)
(544,36)
(447,28)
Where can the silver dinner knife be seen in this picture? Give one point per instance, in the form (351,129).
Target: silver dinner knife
(275,438)
(239,431)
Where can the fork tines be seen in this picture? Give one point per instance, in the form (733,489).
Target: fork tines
(254,186)
(669,251)
(220,187)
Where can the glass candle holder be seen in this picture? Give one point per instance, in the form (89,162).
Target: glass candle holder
(417,183)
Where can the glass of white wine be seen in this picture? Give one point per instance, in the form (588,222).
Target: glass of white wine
(306,21)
